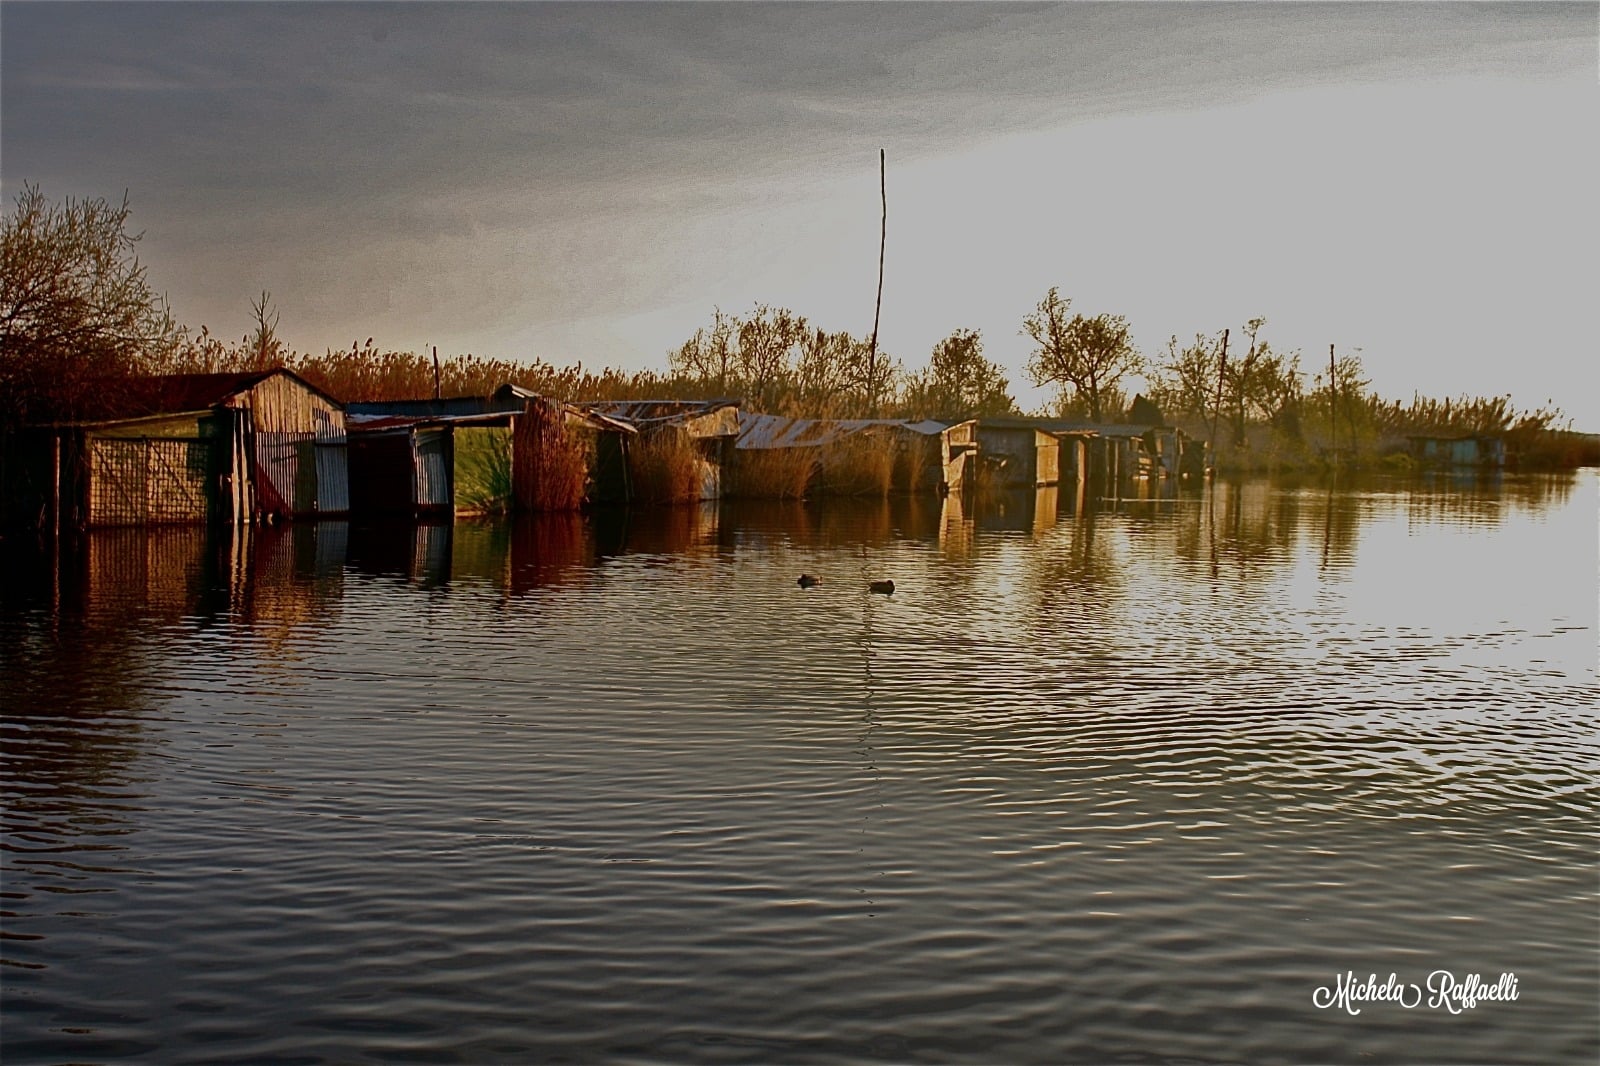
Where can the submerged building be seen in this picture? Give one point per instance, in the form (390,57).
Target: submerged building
(186,448)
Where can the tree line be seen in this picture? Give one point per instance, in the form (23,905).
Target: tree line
(77,311)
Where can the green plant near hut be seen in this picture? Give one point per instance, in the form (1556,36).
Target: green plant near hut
(483,469)
(664,467)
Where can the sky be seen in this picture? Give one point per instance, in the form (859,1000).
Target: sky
(1411,183)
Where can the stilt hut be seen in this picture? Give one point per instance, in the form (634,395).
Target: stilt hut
(848,457)
(1023,451)
(194,448)
(511,451)
(688,441)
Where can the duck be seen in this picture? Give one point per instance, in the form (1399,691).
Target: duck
(808,580)
(886,587)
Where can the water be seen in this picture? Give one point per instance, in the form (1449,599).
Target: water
(1116,784)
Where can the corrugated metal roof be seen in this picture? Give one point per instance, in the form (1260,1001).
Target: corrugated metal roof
(779,431)
(639,411)
(382,417)
(699,418)
(379,423)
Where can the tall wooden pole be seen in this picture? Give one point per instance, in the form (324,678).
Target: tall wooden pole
(877,310)
(1216,408)
(437,394)
(1333,396)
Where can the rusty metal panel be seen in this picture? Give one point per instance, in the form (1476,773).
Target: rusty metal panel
(333,478)
(275,471)
(433,488)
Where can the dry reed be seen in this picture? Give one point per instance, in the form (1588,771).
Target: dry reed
(861,464)
(551,462)
(770,473)
(664,467)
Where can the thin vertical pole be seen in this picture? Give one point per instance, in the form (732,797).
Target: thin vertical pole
(1333,396)
(436,390)
(1216,408)
(877,310)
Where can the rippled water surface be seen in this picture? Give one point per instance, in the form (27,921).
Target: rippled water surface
(1095,784)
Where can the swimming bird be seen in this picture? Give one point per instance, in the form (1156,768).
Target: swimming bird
(885,587)
(808,580)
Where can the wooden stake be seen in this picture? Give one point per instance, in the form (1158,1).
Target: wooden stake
(1333,395)
(1216,408)
(877,310)
(436,389)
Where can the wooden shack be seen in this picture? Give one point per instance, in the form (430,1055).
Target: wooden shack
(1021,451)
(477,455)
(193,448)
(708,427)
(860,456)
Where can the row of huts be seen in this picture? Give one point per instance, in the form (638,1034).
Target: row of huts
(260,447)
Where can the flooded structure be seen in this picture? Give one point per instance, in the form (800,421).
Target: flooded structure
(705,429)
(1481,450)
(479,455)
(188,448)
(858,456)
(1020,452)
(1048,451)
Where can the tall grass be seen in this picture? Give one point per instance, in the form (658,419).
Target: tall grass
(483,480)
(861,464)
(664,467)
(770,473)
(550,461)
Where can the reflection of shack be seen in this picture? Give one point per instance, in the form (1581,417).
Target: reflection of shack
(1476,450)
(473,455)
(188,448)
(1022,509)
(1021,451)
(780,456)
(679,440)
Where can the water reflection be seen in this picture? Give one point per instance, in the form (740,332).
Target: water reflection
(1101,777)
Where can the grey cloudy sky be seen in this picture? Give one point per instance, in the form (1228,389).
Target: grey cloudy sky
(586,181)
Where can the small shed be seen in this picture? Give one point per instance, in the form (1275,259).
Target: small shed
(1023,451)
(473,455)
(1112,452)
(1471,450)
(856,456)
(708,428)
(195,448)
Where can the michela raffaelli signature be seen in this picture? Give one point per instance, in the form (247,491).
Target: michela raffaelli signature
(1443,990)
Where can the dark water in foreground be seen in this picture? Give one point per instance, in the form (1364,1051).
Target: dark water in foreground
(1116,785)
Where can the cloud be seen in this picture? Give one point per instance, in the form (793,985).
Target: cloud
(482,174)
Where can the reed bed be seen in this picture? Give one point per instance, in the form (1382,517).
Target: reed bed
(861,464)
(551,462)
(665,467)
(770,473)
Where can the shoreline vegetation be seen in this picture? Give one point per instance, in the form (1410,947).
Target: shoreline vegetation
(78,316)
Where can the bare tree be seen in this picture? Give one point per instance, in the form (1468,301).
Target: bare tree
(75,306)
(708,357)
(959,382)
(768,343)
(1088,355)
(266,350)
